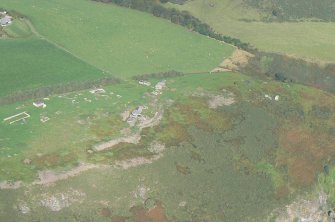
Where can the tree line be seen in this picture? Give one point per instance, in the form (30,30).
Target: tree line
(56,89)
(182,18)
(158,75)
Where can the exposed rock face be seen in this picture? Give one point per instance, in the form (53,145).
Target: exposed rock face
(307,210)
(220,100)
(23,208)
(156,147)
(57,202)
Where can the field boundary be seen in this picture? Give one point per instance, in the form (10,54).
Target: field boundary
(56,89)
(40,36)
(17,118)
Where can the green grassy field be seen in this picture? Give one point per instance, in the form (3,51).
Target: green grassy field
(303,39)
(30,63)
(118,40)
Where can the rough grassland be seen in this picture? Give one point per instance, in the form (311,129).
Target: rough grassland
(32,63)
(303,39)
(215,166)
(121,41)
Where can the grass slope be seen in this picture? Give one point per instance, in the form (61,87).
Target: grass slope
(33,63)
(303,39)
(216,166)
(121,41)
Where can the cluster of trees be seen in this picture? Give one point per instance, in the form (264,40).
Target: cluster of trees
(56,89)
(288,69)
(298,10)
(159,75)
(179,2)
(182,18)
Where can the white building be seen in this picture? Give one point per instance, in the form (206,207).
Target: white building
(97,91)
(39,104)
(135,114)
(145,83)
(6,20)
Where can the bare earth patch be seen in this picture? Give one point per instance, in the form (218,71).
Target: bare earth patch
(125,164)
(23,207)
(125,115)
(226,98)
(144,123)
(129,139)
(220,100)
(238,59)
(8,185)
(135,138)
(48,177)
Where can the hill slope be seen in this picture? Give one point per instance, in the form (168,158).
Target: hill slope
(240,20)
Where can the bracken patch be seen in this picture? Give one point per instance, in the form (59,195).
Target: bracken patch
(303,152)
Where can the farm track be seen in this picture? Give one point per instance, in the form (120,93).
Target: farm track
(38,35)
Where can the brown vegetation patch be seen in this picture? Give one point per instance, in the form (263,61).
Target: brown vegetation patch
(282,192)
(53,159)
(47,160)
(307,96)
(238,59)
(196,113)
(235,142)
(197,157)
(219,121)
(125,151)
(303,151)
(244,165)
(156,214)
(106,126)
(172,133)
(118,219)
(190,111)
(302,171)
(183,169)
(106,212)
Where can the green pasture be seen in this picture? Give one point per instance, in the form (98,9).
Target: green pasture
(32,63)
(121,41)
(305,39)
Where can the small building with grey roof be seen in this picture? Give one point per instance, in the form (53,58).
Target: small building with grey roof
(6,20)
